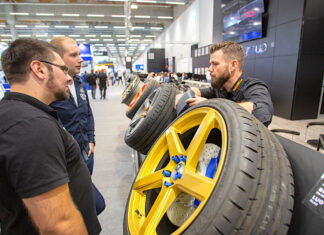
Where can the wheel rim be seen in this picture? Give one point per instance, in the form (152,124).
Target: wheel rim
(142,112)
(128,88)
(137,96)
(151,176)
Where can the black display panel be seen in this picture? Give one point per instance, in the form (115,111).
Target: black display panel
(242,19)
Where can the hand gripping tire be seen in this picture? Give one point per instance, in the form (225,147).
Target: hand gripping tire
(130,92)
(139,98)
(214,170)
(155,114)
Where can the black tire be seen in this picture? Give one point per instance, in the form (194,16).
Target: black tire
(143,131)
(148,90)
(254,193)
(131,91)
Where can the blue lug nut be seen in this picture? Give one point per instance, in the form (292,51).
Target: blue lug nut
(166,173)
(178,175)
(175,159)
(167,184)
(183,158)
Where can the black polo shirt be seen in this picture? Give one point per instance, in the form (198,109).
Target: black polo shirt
(38,155)
(246,89)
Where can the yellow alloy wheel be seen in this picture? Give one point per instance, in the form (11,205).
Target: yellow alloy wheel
(128,88)
(151,176)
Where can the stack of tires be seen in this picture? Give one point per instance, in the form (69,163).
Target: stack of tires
(215,169)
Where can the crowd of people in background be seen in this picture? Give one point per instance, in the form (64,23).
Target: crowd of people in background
(166,77)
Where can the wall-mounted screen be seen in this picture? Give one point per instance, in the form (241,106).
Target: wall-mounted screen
(242,19)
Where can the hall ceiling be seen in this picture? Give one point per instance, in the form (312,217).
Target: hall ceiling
(118,26)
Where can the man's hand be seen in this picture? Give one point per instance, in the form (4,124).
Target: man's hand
(194,101)
(176,100)
(91,149)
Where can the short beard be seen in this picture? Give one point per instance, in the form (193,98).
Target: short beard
(59,96)
(219,82)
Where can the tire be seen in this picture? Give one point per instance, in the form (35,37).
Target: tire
(250,193)
(139,98)
(131,91)
(155,114)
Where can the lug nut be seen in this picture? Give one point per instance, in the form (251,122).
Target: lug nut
(178,175)
(183,158)
(166,173)
(167,184)
(175,159)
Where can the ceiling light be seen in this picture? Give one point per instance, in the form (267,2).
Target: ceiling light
(144,17)
(24,35)
(68,14)
(175,3)
(101,27)
(74,36)
(136,27)
(61,26)
(6,35)
(150,36)
(120,39)
(118,16)
(146,1)
(93,15)
(82,26)
(90,35)
(135,36)
(80,39)
(21,26)
(98,44)
(120,36)
(134,40)
(119,27)
(19,13)
(165,17)
(147,40)
(41,35)
(45,14)
(105,35)
(58,35)
(158,28)
(94,39)
(134,6)
(108,39)
(41,26)
(110,44)
(2,25)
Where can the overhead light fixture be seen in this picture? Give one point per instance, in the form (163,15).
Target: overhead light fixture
(98,44)
(120,36)
(2,25)
(45,14)
(147,40)
(150,36)
(61,26)
(134,40)
(58,35)
(105,35)
(134,6)
(175,3)
(94,15)
(165,17)
(80,40)
(108,39)
(72,15)
(135,36)
(143,17)
(138,27)
(90,35)
(158,28)
(19,13)
(119,27)
(41,26)
(24,35)
(21,26)
(6,35)
(41,35)
(74,36)
(81,26)
(118,16)
(120,39)
(101,27)
(94,39)
(146,1)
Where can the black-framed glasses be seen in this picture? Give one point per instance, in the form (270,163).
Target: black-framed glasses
(64,68)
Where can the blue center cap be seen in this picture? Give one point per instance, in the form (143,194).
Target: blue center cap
(177,173)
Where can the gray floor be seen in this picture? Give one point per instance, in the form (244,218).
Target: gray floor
(114,167)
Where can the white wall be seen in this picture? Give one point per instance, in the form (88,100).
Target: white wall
(194,25)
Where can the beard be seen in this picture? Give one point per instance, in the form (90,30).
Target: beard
(218,82)
(58,95)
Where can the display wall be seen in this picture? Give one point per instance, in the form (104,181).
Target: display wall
(156,60)
(289,58)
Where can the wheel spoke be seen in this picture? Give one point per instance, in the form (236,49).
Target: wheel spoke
(135,121)
(195,185)
(198,141)
(174,142)
(159,208)
(150,181)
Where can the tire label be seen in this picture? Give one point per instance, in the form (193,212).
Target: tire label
(314,200)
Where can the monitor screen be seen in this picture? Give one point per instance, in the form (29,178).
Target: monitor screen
(242,19)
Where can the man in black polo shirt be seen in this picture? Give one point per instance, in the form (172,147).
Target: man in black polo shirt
(45,185)
(227,81)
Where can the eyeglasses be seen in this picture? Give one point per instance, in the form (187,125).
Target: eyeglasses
(62,67)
